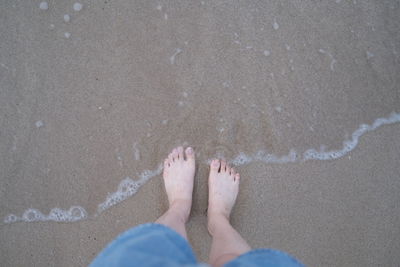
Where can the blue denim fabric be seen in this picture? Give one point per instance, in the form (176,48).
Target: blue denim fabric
(264,257)
(157,245)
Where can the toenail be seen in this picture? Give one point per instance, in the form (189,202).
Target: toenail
(190,150)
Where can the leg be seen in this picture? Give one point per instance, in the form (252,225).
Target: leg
(178,178)
(227,243)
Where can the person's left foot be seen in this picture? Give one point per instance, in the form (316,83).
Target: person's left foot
(178,176)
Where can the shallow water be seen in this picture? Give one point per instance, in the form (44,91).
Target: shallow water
(128,187)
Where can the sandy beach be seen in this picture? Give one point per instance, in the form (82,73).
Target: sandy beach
(302,96)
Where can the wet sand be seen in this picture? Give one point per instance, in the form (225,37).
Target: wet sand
(133,80)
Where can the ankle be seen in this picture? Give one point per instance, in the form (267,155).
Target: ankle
(181,209)
(217,221)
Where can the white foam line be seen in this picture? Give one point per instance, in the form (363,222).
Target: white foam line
(127,188)
(74,214)
(313,154)
(262,156)
(349,145)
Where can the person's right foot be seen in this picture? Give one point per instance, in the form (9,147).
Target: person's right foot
(223,187)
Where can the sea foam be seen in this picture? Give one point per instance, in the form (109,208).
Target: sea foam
(313,154)
(127,188)
(262,156)
(349,145)
(44,6)
(75,213)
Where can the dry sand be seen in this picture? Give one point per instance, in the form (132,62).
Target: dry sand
(136,78)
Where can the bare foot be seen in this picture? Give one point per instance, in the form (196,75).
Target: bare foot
(178,180)
(223,187)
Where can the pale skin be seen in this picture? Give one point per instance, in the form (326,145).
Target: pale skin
(223,186)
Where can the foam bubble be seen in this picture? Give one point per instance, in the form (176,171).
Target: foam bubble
(32,215)
(266,53)
(75,213)
(67,35)
(39,124)
(11,218)
(67,18)
(77,6)
(44,6)
(275,25)
(241,159)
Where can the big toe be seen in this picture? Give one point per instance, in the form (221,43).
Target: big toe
(189,154)
(214,166)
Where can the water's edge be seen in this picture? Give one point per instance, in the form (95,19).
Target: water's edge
(128,187)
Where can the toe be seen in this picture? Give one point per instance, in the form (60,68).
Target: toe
(237,177)
(175,154)
(228,169)
(233,172)
(223,166)
(170,158)
(189,153)
(214,166)
(180,153)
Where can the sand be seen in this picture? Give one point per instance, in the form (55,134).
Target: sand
(86,103)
